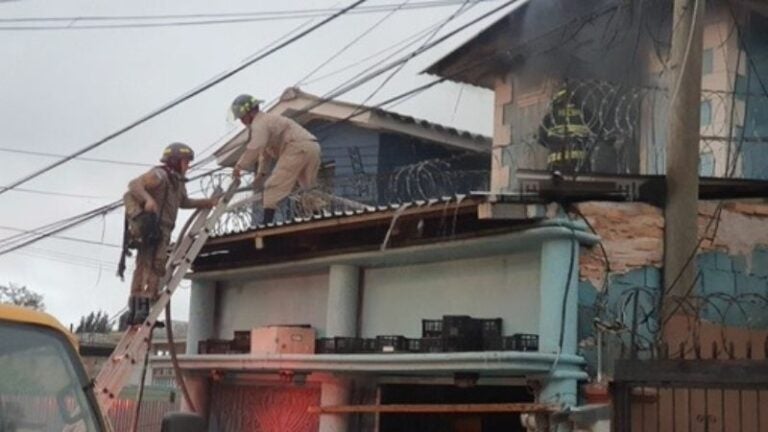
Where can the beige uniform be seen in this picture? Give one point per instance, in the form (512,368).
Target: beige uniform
(150,262)
(293,150)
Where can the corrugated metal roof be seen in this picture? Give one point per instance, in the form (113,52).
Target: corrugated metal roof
(447,202)
(481,139)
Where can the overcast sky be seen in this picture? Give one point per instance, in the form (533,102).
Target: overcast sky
(63,89)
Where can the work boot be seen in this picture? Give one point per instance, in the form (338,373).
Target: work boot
(126,319)
(269,216)
(142,310)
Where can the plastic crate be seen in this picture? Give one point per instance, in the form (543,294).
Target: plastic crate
(431,344)
(462,344)
(391,343)
(414,345)
(522,342)
(214,346)
(347,345)
(431,328)
(493,343)
(460,326)
(325,346)
(490,327)
(242,341)
(369,345)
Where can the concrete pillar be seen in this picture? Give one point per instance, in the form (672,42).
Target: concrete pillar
(341,315)
(199,388)
(558,288)
(202,306)
(334,391)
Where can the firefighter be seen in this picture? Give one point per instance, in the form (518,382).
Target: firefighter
(278,142)
(565,132)
(151,204)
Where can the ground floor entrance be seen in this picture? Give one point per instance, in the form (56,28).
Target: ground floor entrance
(450,394)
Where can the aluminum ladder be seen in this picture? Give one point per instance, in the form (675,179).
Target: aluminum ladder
(133,345)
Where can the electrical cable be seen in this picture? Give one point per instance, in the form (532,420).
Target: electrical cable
(207,19)
(188,95)
(84,159)
(63,225)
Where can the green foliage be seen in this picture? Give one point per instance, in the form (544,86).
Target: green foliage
(97,322)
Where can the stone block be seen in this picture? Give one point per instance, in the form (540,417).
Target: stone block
(717,281)
(652,277)
(739,263)
(706,261)
(723,261)
(760,261)
(587,293)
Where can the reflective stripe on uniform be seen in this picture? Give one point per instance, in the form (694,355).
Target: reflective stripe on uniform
(566,155)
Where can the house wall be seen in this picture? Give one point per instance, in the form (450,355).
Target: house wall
(395,300)
(732,265)
(289,300)
(336,143)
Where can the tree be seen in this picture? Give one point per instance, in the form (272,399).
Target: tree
(21,296)
(94,323)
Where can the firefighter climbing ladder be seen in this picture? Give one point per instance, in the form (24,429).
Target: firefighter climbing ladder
(134,343)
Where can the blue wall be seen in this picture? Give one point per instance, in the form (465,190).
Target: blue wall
(727,284)
(336,143)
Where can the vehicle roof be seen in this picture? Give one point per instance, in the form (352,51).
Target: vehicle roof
(29,316)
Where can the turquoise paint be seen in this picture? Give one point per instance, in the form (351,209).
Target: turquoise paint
(722,277)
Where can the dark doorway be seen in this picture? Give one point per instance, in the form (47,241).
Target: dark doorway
(448,394)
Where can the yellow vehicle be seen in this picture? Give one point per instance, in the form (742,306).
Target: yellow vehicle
(43,386)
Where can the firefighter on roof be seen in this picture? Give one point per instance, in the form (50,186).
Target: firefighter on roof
(151,204)
(565,132)
(274,140)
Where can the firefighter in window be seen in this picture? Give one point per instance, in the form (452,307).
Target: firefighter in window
(565,132)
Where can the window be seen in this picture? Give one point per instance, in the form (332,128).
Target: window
(707,61)
(706,113)
(40,386)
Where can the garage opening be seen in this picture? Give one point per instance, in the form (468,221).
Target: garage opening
(449,394)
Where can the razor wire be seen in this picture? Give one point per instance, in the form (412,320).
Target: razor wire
(623,118)
(636,323)
(421,181)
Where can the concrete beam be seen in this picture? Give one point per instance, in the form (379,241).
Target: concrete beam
(501,244)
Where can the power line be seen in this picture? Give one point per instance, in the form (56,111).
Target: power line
(58,194)
(73,239)
(179,100)
(341,50)
(84,159)
(218,19)
(60,226)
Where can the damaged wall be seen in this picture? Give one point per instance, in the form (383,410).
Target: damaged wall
(732,264)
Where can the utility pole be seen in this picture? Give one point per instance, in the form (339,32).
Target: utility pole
(681,209)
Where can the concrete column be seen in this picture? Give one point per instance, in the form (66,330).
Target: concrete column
(199,388)
(202,305)
(341,315)
(558,288)
(334,391)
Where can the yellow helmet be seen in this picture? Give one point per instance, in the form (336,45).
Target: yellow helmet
(177,151)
